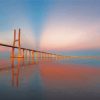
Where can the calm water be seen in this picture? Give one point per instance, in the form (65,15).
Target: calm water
(49,79)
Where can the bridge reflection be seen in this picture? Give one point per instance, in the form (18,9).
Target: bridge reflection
(17,65)
(21,68)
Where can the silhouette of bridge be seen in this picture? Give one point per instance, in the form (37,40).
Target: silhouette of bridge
(21,50)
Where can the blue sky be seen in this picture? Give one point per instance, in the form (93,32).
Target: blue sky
(70,27)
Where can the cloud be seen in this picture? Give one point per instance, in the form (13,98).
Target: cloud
(70,31)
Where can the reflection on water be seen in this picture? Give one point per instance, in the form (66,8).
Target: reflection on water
(50,79)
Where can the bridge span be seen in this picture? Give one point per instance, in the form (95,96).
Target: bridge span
(21,50)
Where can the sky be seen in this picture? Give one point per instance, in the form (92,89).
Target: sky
(67,27)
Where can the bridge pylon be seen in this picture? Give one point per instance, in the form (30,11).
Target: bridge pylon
(14,45)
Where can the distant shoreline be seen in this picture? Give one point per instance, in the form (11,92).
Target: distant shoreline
(84,57)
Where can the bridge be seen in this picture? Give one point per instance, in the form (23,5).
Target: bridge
(21,50)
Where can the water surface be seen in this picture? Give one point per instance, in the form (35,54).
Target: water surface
(49,79)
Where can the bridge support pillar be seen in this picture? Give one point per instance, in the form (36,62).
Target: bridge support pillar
(23,52)
(19,47)
(29,53)
(26,53)
(32,54)
(35,54)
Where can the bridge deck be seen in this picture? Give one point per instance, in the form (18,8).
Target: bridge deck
(6,45)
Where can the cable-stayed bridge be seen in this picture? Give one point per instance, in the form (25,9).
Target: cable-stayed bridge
(22,51)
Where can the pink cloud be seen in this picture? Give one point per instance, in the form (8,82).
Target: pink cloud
(63,33)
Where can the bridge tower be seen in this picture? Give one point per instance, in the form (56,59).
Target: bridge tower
(14,45)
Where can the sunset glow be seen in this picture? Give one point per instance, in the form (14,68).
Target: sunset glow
(49,49)
(53,25)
